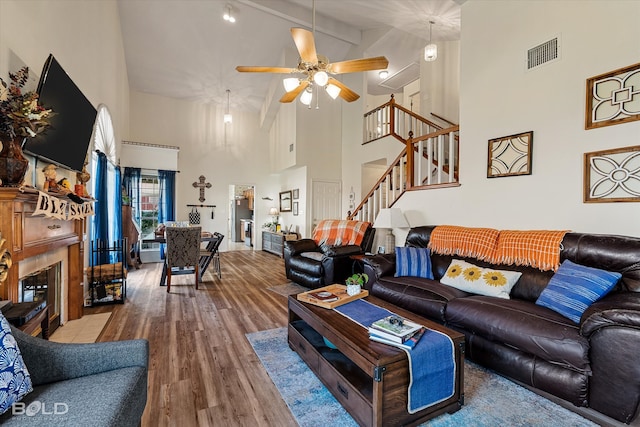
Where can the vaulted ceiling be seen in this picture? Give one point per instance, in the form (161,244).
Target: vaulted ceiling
(185,49)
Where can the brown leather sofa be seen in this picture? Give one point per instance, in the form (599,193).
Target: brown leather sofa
(593,364)
(309,264)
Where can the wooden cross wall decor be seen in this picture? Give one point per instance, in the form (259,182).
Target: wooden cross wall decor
(201,184)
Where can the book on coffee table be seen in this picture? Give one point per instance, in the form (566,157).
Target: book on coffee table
(409,344)
(395,328)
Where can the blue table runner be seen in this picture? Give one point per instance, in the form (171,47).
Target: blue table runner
(432,364)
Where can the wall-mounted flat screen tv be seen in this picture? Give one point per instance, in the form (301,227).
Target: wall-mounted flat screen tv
(66,141)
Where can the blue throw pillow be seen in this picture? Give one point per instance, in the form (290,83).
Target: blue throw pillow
(573,288)
(415,262)
(15,381)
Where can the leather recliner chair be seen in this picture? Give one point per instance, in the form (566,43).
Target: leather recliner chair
(312,265)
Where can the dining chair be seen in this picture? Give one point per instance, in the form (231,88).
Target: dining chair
(211,253)
(183,252)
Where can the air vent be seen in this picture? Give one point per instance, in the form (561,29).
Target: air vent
(543,53)
(397,81)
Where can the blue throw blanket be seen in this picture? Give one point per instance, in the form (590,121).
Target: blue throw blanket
(431,362)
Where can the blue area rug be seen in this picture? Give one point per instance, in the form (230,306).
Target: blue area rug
(490,400)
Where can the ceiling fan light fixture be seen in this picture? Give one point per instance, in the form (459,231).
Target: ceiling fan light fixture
(320,78)
(290,83)
(383,74)
(333,91)
(306,96)
(430,50)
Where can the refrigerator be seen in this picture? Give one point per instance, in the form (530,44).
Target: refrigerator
(239,210)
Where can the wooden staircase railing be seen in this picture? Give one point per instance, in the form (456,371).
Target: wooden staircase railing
(436,164)
(391,119)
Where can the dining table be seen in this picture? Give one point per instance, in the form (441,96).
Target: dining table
(205,236)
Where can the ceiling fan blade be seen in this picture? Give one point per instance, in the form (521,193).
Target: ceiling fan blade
(250,69)
(306,45)
(345,93)
(356,65)
(290,96)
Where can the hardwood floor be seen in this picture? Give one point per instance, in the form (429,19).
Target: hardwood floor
(202,369)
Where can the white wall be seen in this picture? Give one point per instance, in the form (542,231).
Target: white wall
(498,97)
(83,36)
(237,153)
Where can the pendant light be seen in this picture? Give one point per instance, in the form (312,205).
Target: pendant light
(227,114)
(430,50)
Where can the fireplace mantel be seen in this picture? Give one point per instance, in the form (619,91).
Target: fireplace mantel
(29,235)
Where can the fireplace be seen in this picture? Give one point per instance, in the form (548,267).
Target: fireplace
(37,242)
(44,285)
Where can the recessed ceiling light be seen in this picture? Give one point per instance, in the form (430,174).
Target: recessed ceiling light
(383,74)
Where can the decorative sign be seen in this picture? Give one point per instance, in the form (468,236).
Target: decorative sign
(201,185)
(613,97)
(510,155)
(612,175)
(53,207)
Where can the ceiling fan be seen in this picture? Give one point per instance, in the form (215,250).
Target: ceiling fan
(316,70)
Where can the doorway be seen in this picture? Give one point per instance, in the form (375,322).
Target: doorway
(241,227)
(325,201)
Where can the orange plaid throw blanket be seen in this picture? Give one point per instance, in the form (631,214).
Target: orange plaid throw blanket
(336,232)
(537,248)
(477,243)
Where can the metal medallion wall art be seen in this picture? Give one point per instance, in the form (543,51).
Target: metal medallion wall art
(510,155)
(613,97)
(612,175)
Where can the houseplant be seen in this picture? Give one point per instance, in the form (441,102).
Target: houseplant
(20,117)
(355,282)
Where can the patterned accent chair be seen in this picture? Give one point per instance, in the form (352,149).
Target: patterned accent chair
(326,258)
(183,252)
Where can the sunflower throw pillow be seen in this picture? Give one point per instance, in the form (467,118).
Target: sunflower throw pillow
(482,281)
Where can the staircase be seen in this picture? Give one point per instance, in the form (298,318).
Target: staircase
(429,159)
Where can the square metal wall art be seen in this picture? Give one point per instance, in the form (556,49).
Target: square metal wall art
(612,175)
(613,97)
(510,155)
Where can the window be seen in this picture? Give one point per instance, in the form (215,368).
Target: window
(149,198)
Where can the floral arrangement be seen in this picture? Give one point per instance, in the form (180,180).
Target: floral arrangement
(357,279)
(20,114)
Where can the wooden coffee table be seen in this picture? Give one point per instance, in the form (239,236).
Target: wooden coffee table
(369,379)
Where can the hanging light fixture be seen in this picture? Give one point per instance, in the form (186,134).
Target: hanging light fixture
(227,114)
(291,83)
(227,14)
(430,50)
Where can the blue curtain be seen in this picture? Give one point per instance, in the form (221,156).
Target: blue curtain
(131,182)
(167,202)
(100,223)
(106,224)
(114,188)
